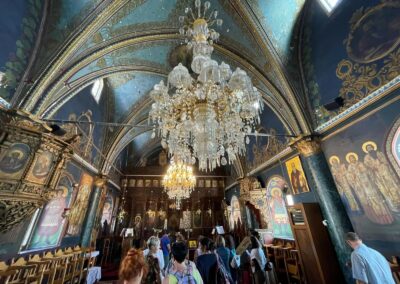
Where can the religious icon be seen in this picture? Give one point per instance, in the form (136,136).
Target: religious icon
(279,219)
(13,160)
(132,183)
(214,183)
(51,223)
(201,183)
(147,183)
(107,209)
(235,215)
(197,218)
(221,183)
(41,167)
(155,183)
(208,183)
(296,173)
(80,205)
(139,183)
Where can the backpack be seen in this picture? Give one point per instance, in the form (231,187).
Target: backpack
(185,278)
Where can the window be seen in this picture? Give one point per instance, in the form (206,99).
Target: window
(97,89)
(329,5)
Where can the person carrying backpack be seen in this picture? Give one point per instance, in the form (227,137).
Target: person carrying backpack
(182,271)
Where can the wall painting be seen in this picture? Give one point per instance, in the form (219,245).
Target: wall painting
(296,174)
(278,217)
(108,209)
(51,225)
(78,211)
(363,161)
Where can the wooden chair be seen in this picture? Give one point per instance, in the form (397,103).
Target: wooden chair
(294,267)
(5,275)
(23,274)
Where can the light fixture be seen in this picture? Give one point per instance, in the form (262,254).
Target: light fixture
(179,182)
(206,117)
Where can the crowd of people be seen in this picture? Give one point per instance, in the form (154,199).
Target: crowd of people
(215,261)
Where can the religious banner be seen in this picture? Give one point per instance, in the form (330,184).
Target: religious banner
(278,217)
(296,174)
(80,205)
(108,208)
(51,225)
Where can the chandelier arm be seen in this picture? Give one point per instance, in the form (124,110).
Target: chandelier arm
(271,135)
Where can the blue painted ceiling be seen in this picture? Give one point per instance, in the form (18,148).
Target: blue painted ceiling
(129,69)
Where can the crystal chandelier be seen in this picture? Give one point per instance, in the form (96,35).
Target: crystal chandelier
(206,117)
(179,182)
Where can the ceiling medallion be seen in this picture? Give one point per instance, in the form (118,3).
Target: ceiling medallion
(179,182)
(206,116)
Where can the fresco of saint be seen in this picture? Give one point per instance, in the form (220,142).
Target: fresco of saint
(278,217)
(370,199)
(14,159)
(78,211)
(346,193)
(382,175)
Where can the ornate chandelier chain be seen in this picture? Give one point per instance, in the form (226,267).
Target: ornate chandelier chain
(206,117)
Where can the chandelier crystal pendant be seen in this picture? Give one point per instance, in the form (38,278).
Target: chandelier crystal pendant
(206,116)
(179,182)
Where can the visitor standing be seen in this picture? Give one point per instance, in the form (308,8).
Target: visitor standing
(133,267)
(223,252)
(258,261)
(234,263)
(182,270)
(207,262)
(166,248)
(368,265)
(155,260)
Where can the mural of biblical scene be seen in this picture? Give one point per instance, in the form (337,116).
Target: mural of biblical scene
(108,208)
(363,160)
(173,220)
(235,217)
(87,135)
(279,220)
(261,149)
(41,167)
(20,22)
(51,225)
(79,206)
(363,35)
(13,160)
(297,177)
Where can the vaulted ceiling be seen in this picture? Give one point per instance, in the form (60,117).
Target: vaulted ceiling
(132,45)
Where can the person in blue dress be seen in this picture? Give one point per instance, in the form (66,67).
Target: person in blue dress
(368,265)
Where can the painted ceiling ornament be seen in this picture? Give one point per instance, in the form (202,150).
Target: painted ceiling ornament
(307,145)
(205,117)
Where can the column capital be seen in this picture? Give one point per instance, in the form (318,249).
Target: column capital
(307,145)
(100,181)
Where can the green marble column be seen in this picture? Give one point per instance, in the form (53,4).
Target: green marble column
(321,182)
(91,212)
